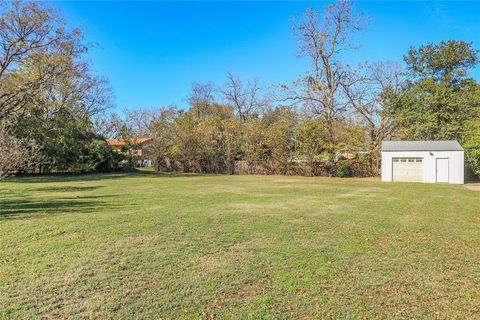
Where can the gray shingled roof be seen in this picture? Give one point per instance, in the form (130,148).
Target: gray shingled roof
(421,146)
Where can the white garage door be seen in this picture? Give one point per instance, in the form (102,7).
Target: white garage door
(408,169)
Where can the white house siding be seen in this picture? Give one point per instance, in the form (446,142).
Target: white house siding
(455,164)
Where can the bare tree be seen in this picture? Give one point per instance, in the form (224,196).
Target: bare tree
(201,98)
(91,94)
(321,38)
(140,120)
(367,90)
(107,125)
(246,99)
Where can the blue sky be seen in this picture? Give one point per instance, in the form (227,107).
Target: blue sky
(151,52)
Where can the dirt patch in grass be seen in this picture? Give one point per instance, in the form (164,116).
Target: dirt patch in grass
(473,187)
(210,261)
(218,260)
(243,292)
(135,240)
(250,206)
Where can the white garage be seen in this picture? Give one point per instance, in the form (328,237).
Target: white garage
(423,161)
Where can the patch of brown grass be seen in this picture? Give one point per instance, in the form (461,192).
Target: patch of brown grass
(473,187)
(129,241)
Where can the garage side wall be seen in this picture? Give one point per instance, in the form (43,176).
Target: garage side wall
(455,164)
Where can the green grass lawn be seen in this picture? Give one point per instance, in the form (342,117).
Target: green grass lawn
(189,246)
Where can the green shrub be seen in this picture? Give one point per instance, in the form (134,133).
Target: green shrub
(104,159)
(342,169)
(471,144)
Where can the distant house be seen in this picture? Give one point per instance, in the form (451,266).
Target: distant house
(423,161)
(133,148)
(350,153)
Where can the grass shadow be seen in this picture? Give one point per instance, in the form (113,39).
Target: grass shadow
(67,177)
(24,207)
(158,174)
(68,188)
(99,177)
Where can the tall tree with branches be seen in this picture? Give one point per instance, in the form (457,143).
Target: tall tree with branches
(369,91)
(201,99)
(322,37)
(246,98)
(34,46)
